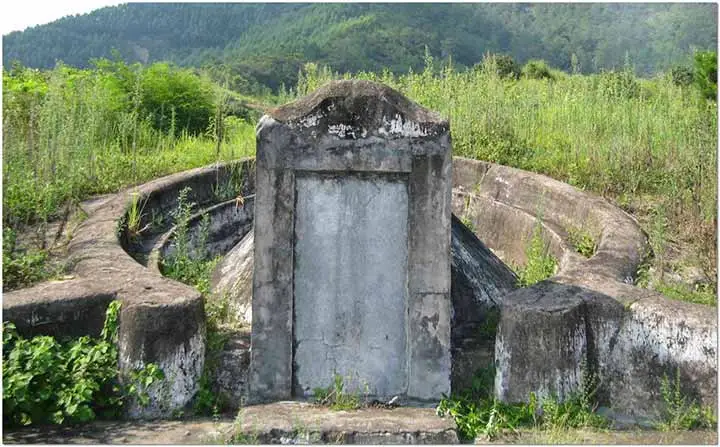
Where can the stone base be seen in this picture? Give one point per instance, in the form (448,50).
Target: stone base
(301,423)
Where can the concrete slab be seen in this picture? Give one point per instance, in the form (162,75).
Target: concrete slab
(301,422)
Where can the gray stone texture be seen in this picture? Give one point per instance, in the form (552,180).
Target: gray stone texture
(367,129)
(303,423)
(351,281)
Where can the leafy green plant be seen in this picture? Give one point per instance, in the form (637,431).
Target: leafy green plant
(540,263)
(45,381)
(183,264)
(680,413)
(582,241)
(681,75)
(478,413)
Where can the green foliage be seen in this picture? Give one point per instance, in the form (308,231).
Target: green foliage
(134,216)
(69,134)
(265,45)
(681,75)
(618,84)
(336,397)
(706,73)
(537,69)
(45,381)
(582,241)
(540,264)
(679,412)
(501,64)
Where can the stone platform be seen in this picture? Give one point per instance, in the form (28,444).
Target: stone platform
(276,423)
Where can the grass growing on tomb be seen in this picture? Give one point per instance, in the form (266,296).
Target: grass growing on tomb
(540,264)
(478,413)
(337,397)
(582,241)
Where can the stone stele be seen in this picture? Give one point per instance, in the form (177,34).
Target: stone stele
(352,246)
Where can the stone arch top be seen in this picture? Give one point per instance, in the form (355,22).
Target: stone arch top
(355,109)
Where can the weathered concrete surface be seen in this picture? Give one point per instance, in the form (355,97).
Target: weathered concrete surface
(353,127)
(479,282)
(545,341)
(351,282)
(230,376)
(633,336)
(298,422)
(231,279)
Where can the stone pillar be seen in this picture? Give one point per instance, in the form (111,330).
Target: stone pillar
(352,246)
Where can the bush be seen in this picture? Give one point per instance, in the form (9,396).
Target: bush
(618,84)
(681,75)
(706,73)
(501,64)
(537,69)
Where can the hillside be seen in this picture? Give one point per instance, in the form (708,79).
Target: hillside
(269,42)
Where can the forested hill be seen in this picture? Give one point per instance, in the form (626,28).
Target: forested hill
(270,41)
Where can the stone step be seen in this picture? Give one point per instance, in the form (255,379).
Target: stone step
(293,422)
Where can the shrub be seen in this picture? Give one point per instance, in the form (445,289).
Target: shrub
(681,75)
(706,73)
(46,381)
(501,64)
(537,69)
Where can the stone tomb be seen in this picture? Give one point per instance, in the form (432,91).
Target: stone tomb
(352,246)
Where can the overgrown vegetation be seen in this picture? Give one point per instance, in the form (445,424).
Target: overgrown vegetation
(582,241)
(478,413)
(49,381)
(69,134)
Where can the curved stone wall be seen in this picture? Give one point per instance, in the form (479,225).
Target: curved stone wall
(587,319)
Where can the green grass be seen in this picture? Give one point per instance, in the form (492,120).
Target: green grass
(478,413)
(540,264)
(582,241)
(337,397)
(700,294)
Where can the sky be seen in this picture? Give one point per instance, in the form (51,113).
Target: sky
(20,14)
